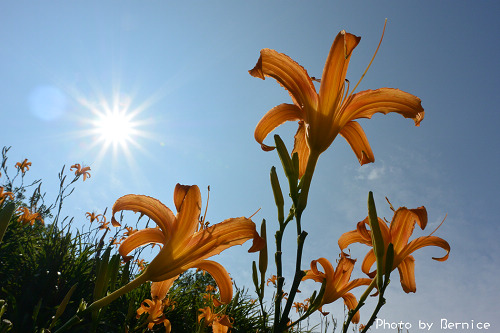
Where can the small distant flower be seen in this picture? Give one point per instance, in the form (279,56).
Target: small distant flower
(220,323)
(272,280)
(81,171)
(155,307)
(23,165)
(4,195)
(399,232)
(104,224)
(141,263)
(182,246)
(337,281)
(27,217)
(94,217)
(301,307)
(210,288)
(129,231)
(115,241)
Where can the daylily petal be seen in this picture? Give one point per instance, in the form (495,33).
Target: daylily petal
(351,303)
(355,136)
(343,271)
(273,118)
(368,263)
(148,206)
(334,72)
(301,148)
(289,74)
(160,289)
(180,192)
(366,103)
(356,283)
(140,238)
(187,218)
(220,236)
(221,277)
(421,213)
(219,328)
(403,224)
(315,274)
(360,235)
(407,274)
(427,241)
(203,244)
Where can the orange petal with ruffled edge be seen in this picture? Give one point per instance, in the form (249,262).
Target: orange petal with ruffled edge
(203,244)
(427,241)
(406,271)
(360,235)
(384,100)
(351,302)
(140,238)
(403,224)
(148,206)
(187,219)
(289,74)
(161,288)
(334,72)
(274,118)
(180,192)
(356,138)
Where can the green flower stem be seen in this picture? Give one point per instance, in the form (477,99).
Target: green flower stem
(361,302)
(105,301)
(299,274)
(305,183)
(279,278)
(281,321)
(122,291)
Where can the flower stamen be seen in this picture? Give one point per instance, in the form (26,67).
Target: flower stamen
(379,43)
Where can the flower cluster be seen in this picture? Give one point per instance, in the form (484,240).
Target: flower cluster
(80,171)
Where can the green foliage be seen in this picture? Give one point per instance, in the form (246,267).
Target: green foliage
(49,272)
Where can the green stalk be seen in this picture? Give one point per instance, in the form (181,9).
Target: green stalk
(305,182)
(361,302)
(105,301)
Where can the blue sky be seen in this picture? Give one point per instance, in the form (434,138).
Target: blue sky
(182,71)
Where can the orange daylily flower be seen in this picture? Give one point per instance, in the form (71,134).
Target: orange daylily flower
(94,217)
(220,323)
(28,217)
(130,231)
(399,232)
(182,246)
(337,281)
(81,171)
(4,195)
(272,280)
(23,165)
(155,307)
(104,225)
(332,111)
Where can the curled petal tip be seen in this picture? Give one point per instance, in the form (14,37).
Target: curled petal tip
(258,243)
(257,70)
(266,147)
(365,159)
(114,222)
(180,193)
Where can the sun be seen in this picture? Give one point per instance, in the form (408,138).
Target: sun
(115,128)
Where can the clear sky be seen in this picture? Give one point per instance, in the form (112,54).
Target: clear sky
(181,72)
